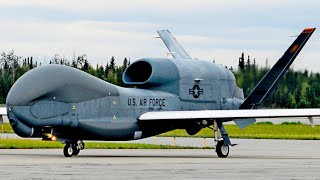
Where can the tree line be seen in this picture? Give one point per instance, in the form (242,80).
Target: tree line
(298,89)
(12,67)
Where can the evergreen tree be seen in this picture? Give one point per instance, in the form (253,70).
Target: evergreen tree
(112,64)
(248,63)
(31,63)
(106,71)
(125,64)
(241,62)
(85,66)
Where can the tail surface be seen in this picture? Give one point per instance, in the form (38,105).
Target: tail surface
(268,82)
(173,45)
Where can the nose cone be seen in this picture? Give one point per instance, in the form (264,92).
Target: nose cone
(46,92)
(57,83)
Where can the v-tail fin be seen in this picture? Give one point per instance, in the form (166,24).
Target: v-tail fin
(173,45)
(268,82)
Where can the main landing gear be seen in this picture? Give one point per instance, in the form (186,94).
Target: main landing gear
(72,148)
(222,150)
(223,143)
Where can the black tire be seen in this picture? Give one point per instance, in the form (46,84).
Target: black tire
(68,150)
(75,151)
(81,145)
(222,149)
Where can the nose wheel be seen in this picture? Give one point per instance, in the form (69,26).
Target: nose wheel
(72,149)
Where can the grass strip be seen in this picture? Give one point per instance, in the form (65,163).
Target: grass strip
(262,130)
(6,128)
(38,144)
(296,131)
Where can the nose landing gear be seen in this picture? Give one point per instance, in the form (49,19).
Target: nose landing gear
(72,148)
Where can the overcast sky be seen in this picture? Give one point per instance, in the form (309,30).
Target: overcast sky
(207,29)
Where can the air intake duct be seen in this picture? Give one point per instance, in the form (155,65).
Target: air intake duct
(151,72)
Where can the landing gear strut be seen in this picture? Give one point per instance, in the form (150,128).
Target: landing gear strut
(72,148)
(222,147)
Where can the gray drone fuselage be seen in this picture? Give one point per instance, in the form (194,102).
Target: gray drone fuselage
(73,105)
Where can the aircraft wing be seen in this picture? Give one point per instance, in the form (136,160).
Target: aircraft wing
(173,45)
(228,115)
